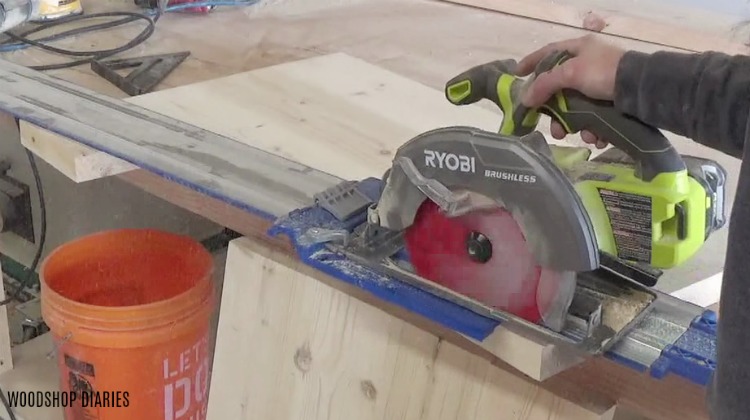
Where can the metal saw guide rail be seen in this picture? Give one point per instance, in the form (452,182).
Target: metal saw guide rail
(585,330)
(674,337)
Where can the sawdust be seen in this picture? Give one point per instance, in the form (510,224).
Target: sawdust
(618,312)
(351,271)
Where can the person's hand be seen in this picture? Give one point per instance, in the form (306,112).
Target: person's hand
(591,70)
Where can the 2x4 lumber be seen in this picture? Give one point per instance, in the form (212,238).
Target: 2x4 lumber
(326,354)
(76,161)
(681,26)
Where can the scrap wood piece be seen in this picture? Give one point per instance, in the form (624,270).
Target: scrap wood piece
(318,331)
(702,30)
(326,354)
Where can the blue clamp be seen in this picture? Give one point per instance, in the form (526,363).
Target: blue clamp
(693,355)
(297,223)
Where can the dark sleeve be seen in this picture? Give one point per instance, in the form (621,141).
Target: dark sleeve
(705,97)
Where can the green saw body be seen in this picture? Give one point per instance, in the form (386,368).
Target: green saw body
(673,207)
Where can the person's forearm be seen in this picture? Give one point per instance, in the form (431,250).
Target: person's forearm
(705,97)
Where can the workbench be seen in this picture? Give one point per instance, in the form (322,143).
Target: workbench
(388,352)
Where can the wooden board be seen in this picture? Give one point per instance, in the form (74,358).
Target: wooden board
(685,25)
(78,162)
(327,355)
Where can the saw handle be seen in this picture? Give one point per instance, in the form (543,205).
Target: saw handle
(497,82)
(646,145)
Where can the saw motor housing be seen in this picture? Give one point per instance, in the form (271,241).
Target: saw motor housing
(660,223)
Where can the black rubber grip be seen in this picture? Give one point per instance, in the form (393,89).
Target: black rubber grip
(646,145)
(649,149)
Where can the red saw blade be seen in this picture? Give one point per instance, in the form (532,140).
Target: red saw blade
(453,252)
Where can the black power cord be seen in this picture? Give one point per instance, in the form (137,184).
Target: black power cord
(14,39)
(42,235)
(18,40)
(23,38)
(89,56)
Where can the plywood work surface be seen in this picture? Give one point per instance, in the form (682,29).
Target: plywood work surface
(335,113)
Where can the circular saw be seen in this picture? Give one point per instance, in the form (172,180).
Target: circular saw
(546,236)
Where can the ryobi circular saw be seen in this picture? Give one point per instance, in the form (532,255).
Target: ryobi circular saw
(522,228)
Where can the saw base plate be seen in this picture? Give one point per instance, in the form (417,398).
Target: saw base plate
(606,306)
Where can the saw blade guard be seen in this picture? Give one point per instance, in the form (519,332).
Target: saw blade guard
(503,169)
(467,172)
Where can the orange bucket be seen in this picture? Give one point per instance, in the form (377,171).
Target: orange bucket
(129,311)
